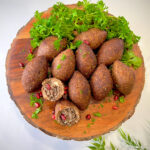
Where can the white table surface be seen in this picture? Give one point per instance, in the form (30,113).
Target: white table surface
(15,132)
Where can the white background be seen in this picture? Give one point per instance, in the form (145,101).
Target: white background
(15,132)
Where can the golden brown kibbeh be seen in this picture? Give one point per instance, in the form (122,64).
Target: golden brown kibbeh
(94,36)
(110,51)
(86,60)
(123,77)
(79,90)
(48,49)
(34,73)
(101,82)
(63,65)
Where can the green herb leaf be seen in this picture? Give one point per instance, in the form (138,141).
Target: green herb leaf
(30,57)
(97,114)
(75,45)
(98,144)
(88,125)
(81,91)
(110,93)
(33,100)
(130,59)
(57,44)
(35,116)
(63,57)
(102,105)
(63,21)
(58,66)
(131,141)
(93,119)
(84,55)
(92,147)
(80,3)
(78,43)
(121,99)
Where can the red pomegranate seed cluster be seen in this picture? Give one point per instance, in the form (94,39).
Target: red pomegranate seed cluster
(48,86)
(21,65)
(38,95)
(37,105)
(63,117)
(115,107)
(116,98)
(66,90)
(41,94)
(88,117)
(30,51)
(86,42)
(53,114)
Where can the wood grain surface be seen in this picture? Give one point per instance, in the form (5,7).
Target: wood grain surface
(110,120)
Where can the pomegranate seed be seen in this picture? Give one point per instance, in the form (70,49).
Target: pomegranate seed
(66,88)
(86,42)
(63,117)
(30,50)
(21,64)
(37,105)
(41,94)
(38,95)
(53,116)
(115,107)
(116,98)
(48,86)
(65,92)
(88,116)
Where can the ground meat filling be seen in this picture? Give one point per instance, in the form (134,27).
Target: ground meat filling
(68,116)
(52,90)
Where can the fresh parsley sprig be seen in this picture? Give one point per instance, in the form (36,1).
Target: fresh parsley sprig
(64,21)
(130,59)
(75,45)
(136,144)
(33,100)
(30,57)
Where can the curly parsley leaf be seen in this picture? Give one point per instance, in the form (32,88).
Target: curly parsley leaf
(121,99)
(57,44)
(58,66)
(30,57)
(75,45)
(64,21)
(130,59)
(63,57)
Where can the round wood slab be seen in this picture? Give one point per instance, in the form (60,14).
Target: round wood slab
(110,119)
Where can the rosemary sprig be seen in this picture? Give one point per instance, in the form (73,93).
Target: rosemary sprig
(113,147)
(136,144)
(98,144)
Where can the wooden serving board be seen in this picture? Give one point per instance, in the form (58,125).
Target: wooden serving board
(110,120)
